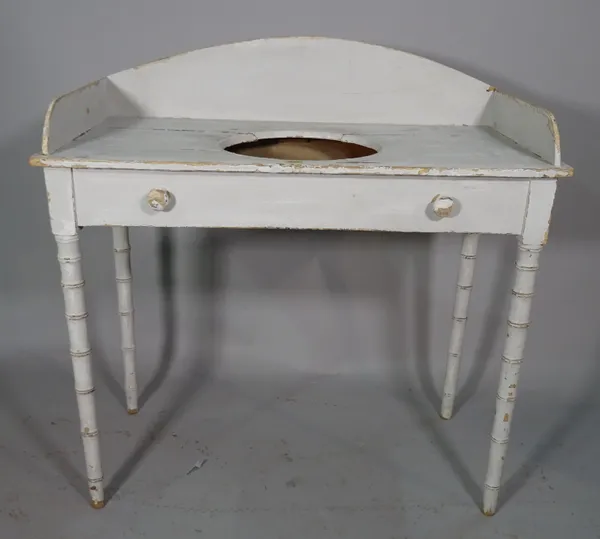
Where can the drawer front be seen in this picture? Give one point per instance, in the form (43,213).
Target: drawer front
(105,197)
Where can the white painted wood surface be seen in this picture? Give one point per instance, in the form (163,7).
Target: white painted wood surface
(539,211)
(119,198)
(187,144)
(512,357)
(69,258)
(304,79)
(73,114)
(61,201)
(122,254)
(314,80)
(533,128)
(464,286)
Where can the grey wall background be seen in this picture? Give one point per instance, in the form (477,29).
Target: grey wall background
(311,302)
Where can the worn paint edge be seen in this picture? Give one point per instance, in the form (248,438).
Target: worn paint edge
(38,160)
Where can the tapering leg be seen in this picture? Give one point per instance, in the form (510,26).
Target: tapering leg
(125,296)
(459,320)
(69,257)
(518,323)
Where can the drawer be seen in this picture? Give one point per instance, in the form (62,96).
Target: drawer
(115,197)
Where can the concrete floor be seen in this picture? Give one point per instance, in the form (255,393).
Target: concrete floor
(292,455)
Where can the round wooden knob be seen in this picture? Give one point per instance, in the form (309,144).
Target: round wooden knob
(442,206)
(159,199)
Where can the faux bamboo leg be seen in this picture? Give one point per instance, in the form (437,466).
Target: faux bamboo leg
(518,323)
(122,251)
(459,321)
(69,257)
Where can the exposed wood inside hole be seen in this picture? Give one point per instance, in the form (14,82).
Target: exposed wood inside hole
(301,149)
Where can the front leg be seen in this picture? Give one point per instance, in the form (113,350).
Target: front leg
(69,258)
(517,326)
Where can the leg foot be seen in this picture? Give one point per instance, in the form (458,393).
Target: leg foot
(459,321)
(132,412)
(518,323)
(97,505)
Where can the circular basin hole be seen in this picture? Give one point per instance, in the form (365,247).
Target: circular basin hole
(301,149)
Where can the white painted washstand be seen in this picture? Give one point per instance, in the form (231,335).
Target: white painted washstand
(374,139)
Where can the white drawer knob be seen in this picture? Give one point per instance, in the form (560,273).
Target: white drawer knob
(159,199)
(442,206)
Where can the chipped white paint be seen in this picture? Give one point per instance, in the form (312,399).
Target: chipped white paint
(271,201)
(159,199)
(303,168)
(61,204)
(69,258)
(122,251)
(539,211)
(147,147)
(512,357)
(459,320)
